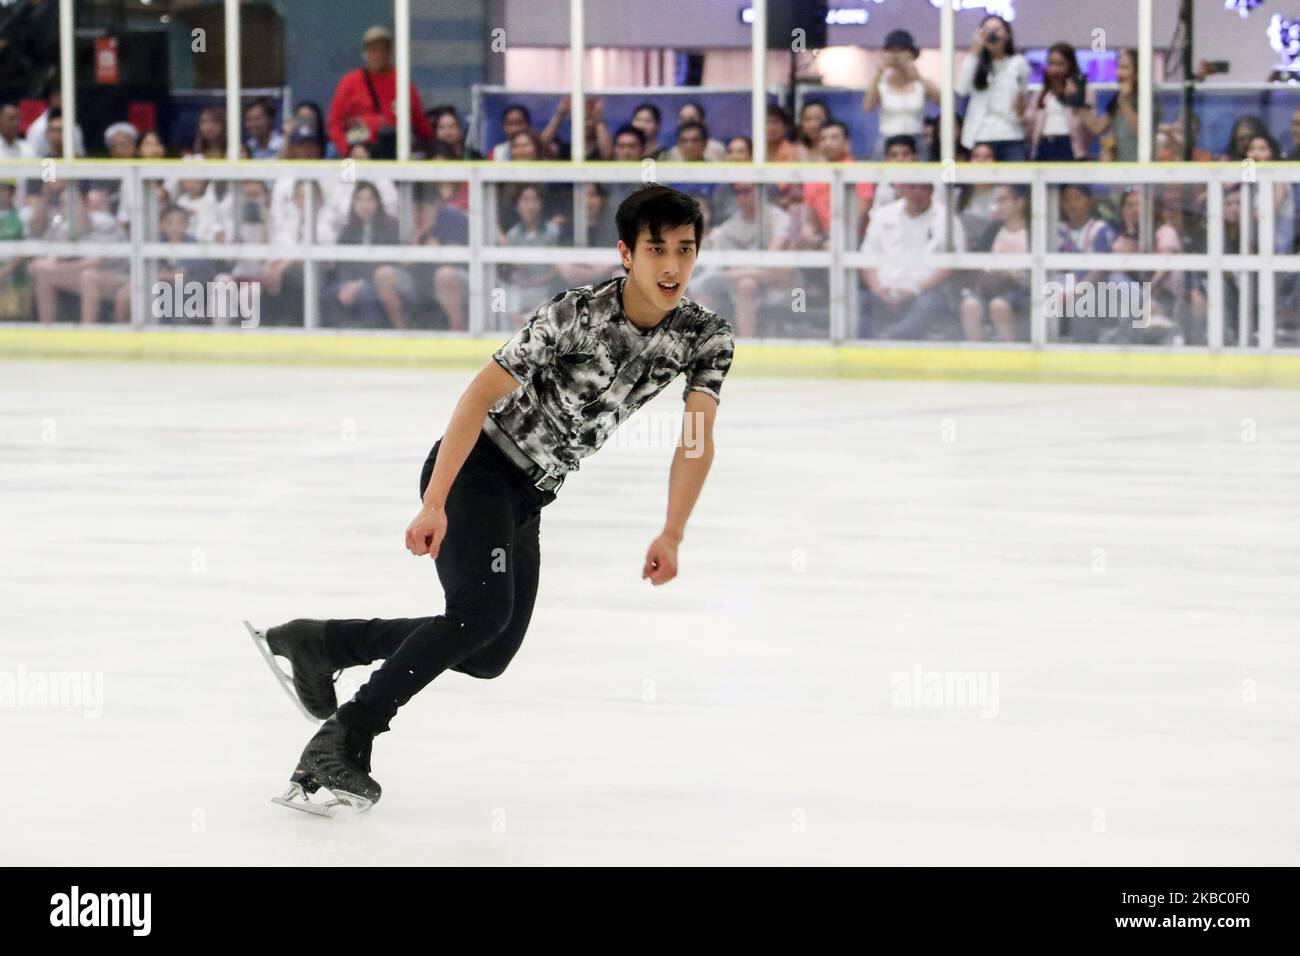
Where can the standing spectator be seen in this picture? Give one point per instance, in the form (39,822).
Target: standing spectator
(367,294)
(515,120)
(647,118)
(1002,295)
(996,78)
(834,144)
(813,115)
(1119,122)
(899,91)
(364,102)
(1294,154)
(1263,148)
(692,113)
(1169,139)
(1058,131)
(780,142)
(264,140)
(907,298)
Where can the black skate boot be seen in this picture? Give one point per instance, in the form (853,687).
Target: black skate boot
(338,760)
(302,643)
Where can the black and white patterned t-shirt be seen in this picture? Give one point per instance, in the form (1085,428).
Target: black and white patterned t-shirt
(585,368)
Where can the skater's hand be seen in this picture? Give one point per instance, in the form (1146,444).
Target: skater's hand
(425,534)
(661,560)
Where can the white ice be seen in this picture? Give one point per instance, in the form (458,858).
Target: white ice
(1122,561)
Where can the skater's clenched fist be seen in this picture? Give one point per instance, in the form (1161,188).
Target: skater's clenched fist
(661,560)
(426,531)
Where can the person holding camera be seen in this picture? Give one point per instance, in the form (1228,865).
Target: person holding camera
(995,78)
(900,92)
(1058,131)
(364,106)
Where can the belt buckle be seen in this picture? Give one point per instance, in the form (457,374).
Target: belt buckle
(541,483)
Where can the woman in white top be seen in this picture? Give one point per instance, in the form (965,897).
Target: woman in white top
(994,77)
(900,92)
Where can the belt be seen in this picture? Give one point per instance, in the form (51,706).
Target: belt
(540,478)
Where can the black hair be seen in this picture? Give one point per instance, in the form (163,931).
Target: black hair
(654,111)
(1256,127)
(901,139)
(56,112)
(704,130)
(781,113)
(320,120)
(698,108)
(657,207)
(264,104)
(834,124)
(1071,70)
(1267,137)
(170,209)
(815,102)
(749,143)
(630,130)
(518,108)
(986,59)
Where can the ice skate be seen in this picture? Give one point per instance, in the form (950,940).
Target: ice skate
(336,760)
(310,685)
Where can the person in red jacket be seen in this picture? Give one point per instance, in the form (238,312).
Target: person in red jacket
(364,112)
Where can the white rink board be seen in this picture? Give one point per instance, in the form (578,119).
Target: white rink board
(1122,560)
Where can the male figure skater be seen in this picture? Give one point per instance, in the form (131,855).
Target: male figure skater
(548,398)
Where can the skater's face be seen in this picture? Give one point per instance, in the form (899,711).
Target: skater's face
(659,267)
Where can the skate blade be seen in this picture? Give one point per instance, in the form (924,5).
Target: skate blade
(286,680)
(295,798)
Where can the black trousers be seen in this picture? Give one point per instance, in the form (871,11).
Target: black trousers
(488,565)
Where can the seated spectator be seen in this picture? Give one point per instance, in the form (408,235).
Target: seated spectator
(1002,296)
(834,142)
(692,138)
(282,278)
(899,91)
(780,135)
(515,120)
(151,146)
(602,233)
(449,135)
(908,298)
(366,294)
(557,198)
(306,116)
(1263,148)
(1081,231)
(528,285)
(598,143)
(211,219)
(693,113)
(1169,142)
(12,144)
(93,278)
(1294,153)
(647,118)
(977,202)
(897,149)
(15,291)
(173,224)
(362,107)
(1058,131)
(745,288)
(1245,129)
(813,115)
(36,137)
(210,137)
(441,288)
(264,141)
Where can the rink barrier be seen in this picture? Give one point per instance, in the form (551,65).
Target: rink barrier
(809,356)
(1097,364)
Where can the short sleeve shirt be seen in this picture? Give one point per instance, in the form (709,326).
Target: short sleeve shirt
(584,368)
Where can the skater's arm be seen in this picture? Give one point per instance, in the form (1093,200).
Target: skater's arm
(425,534)
(691,462)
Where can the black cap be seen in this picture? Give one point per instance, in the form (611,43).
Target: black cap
(901,40)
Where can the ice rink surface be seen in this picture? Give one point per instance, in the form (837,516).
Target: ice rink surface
(1115,568)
